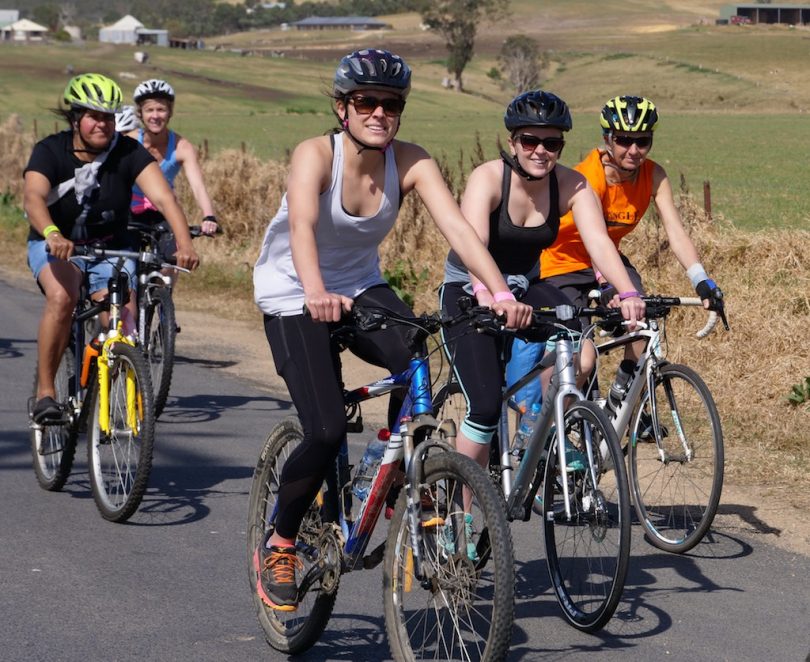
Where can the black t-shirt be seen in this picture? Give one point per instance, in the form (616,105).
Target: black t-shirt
(109,203)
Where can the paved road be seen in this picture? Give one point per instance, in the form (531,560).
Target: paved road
(171,584)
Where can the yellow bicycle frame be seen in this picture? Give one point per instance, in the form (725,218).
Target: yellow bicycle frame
(134,400)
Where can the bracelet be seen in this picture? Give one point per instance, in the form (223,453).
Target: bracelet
(213,219)
(50,230)
(628,295)
(479,287)
(503,296)
(597,275)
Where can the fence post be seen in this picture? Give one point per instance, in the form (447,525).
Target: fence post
(707,198)
(35,129)
(205,148)
(244,148)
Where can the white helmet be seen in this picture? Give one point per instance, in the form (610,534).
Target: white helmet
(154,88)
(126,119)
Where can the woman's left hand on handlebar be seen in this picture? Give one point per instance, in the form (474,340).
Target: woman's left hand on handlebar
(518,315)
(209,226)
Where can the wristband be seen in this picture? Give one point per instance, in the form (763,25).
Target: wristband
(628,295)
(696,273)
(597,275)
(479,287)
(503,296)
(211,218)
(50,230)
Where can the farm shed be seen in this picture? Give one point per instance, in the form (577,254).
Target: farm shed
(766,13)
(339,23)
(129,30)
(23,30)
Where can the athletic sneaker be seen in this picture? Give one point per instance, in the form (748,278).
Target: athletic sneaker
(47,410)
(449,542)
(645,427)
(575,459)
(275,575)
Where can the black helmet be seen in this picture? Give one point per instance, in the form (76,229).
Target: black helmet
(537,108)
(372,68)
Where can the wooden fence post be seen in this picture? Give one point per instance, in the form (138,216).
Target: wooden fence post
(707,198)
(205,149)
(35,129)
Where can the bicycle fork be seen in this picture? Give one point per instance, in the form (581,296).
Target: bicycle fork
(134,402)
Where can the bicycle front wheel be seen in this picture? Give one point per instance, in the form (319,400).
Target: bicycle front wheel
(463,609)
(588,543)
(676,461)
(159,340)
(120,455)
(290,632)
(53,447)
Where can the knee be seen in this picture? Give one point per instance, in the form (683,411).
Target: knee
(60,302)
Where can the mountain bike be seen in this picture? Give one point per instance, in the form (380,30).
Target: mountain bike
(584,507)
(674,435)
(448,575)
(103,387)
(157,324)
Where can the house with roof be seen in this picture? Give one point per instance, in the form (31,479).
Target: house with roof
(23,30)
(790,14)
(339,23)
(129,30)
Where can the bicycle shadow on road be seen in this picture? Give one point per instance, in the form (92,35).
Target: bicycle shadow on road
(8,347)
(204,407)
(350,637)
(203,363)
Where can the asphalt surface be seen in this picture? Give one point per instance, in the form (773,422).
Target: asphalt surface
(172,583)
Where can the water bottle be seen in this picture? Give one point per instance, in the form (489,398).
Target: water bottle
(365,471)
(621,384)
(524,356)
(526,427)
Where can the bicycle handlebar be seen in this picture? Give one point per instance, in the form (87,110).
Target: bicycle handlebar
(659,307)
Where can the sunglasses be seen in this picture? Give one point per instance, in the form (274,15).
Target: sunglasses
(392,106)
(642,142)
(529,143)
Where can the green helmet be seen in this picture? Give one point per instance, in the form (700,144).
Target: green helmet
(94,92)
(628,113)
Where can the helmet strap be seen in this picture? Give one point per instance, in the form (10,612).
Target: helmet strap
(513,163)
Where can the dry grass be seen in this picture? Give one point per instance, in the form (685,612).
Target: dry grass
(766,278)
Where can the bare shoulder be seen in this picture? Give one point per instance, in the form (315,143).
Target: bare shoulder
(319,148)
(569,181)
(409,154)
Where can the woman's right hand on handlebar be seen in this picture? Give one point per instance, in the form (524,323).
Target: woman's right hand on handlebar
(187,258)
(327,306)
(518,315)
(58,246)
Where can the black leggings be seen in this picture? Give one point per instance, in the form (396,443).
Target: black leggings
(478,360)
(309,362)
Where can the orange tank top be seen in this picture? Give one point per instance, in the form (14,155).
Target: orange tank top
(623,205)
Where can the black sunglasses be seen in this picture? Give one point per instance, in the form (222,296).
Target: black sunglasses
(392,106)
(529,143)
(643,142)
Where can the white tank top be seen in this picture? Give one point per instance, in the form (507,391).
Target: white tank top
(347,245)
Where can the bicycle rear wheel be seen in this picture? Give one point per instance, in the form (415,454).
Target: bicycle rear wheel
(464,609)
(676,462)
(53,447)
(290,632)
(159,341)
(120,459)
(587,554)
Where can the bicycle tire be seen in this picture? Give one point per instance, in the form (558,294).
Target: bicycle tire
(676,498)
(465,611)
(53,447)
(296,631)
(588,555)
(159,342)
(120,462)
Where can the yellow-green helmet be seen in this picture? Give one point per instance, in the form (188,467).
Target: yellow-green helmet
(94,92)
(628,113)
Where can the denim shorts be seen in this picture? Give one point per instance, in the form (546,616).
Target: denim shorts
(98,272)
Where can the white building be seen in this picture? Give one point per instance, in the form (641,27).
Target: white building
(23,30)
(129,30)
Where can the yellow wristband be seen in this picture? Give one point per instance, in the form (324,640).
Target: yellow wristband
(50,230)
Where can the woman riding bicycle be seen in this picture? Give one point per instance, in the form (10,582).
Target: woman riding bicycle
(624,180)
(154,106)
(320,252)
(77,190)
(515,204)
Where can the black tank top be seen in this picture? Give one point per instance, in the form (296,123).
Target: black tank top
(516,249)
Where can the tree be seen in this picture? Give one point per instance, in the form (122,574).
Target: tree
(47,15)
(457,21)
(521,61)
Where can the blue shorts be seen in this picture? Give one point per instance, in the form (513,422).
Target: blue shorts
(98,272)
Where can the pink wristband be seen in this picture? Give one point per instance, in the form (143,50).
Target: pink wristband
(628,295)
(479,287)
(503,296)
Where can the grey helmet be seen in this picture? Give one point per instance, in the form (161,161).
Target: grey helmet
(537,108)
(372,68)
